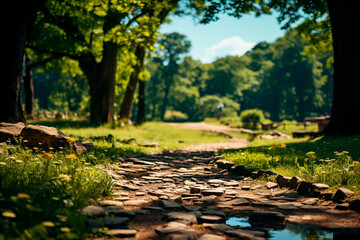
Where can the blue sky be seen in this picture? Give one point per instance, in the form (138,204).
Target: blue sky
(227,36)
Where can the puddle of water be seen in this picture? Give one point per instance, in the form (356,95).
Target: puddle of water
(292,231)
(238,222)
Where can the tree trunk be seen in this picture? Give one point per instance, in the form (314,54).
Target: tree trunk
(18,23)
(165,100)
(29,89)
(101,78)
(345,115)
(126,106)
(141,104)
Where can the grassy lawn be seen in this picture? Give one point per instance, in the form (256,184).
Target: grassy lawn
(334,161)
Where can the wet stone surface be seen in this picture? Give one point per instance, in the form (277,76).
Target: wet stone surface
(184,195)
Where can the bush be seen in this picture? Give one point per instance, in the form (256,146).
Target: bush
(251,116)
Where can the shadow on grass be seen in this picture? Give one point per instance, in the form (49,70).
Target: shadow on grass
(68,124)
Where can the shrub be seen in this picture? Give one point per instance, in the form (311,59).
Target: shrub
(251,116)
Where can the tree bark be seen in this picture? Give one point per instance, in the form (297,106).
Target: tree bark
(101,78)
(19,21)
(126,106)
(29,89)
(345,115)
(141,104)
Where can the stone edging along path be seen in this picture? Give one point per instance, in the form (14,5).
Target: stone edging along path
(189,195)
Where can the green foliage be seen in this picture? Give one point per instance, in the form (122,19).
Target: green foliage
(251,116)
(41,187)
(333,161)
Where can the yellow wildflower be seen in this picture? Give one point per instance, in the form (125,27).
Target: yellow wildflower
(65,229)
(71,156)
(283,145)
(70,139)
(46,155)
(271,148)
(23,196)
(19,161)
(355,164)
(8,214)
(48,224)
(2,163)
(310,153)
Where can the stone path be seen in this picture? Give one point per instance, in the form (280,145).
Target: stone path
(189,195)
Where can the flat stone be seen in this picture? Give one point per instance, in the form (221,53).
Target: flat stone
(342,194)
(118,212)
(191,207)
(213,191)
(171,227)
(245,187)
(135,202)
(128,187)
(115,222)
(236,202)
(287,207)
(187,234)
(140,194)
(271,185)
(319,186)
(169,204)
(241,234)
(266,218)
(111,203)
(355,205)
(122,233)
(343,206)
(215,181)
(218,227)
(211,219)
(185,218)
(207,236)
(264,204)
(310,201)
(94,211)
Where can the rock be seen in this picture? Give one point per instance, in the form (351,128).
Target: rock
(343,206)
(207,236)
(283,181)
(170,204)
(310,201)
(224,164)
(246,188)
(187,234)
(271,185)
(294,182)
(135,202)
(115,222)
(218,227)
(122,233)
(111,203)
(10,131)
(171,227)
(319,186)
(236,202)
(287,207)
(215,213)
(118,212)
(93,211)
(185,218)
(243,235)
(211,219)
(304,188)
(266,218)
(342,194)
(44,137)
(213,191)
(355,205)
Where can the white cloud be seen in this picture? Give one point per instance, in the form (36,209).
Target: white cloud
(228,46)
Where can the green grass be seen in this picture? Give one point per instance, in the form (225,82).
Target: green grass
(334,162)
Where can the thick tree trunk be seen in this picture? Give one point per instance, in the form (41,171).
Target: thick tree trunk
(126,106)
(141,104)
(101,78)
(29,89)
(19,21)
(345,115)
